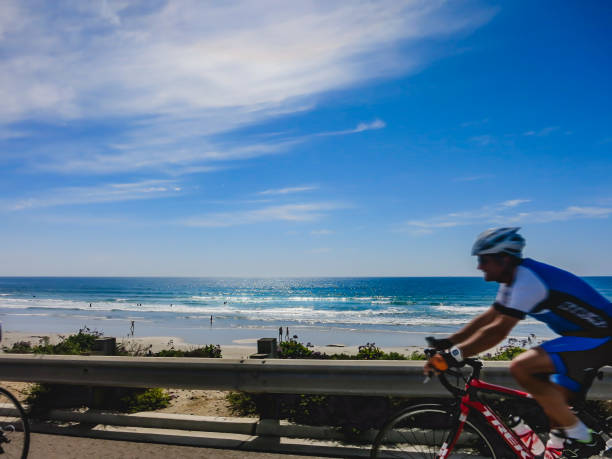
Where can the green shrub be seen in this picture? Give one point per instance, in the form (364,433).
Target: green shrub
(293,349)
(370,352)
(20,347)
(341,357)
(77,344)
(241,403)
(208,351)
(44,397)
(507,353)
(145,400)
(393,356)
(352,414)
(83,341)
(416,355)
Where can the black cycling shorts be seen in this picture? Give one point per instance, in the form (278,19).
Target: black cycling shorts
(572,355)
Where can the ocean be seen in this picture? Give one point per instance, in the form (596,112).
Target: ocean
(349,311)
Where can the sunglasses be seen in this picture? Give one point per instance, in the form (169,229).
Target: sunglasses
(484,259)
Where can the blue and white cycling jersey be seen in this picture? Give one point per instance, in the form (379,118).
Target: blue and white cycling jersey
(566,303)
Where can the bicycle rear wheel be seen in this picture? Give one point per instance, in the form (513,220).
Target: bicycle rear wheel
(14,427)
(421,431)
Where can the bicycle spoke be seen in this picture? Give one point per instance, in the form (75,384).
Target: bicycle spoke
(14,429)
(421,433)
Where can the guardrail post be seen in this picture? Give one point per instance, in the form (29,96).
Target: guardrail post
(104,346)
(266,349)
(269,421)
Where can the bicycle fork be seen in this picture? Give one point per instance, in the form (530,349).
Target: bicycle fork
(454,434)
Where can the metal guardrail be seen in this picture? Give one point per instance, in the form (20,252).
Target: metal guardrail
(395,378)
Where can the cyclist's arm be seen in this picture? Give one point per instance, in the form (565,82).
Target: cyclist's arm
(477,323)
(490,335)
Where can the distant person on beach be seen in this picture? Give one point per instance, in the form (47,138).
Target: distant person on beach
(568,305)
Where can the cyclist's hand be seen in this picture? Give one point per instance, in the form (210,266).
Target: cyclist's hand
(438,344)
(439,363)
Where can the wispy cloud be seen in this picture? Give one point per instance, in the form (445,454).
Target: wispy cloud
(288,190)
(303,212)
(514,202)
(542,132)
(113,192)
(174,74)
(483,140)
(361,127)
(321,232)
(503,213)
(569,213)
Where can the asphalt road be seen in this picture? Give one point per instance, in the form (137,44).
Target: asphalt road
(43,446)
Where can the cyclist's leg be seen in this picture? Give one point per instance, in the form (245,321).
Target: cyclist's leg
(569,357)
(527,369)
(572,355)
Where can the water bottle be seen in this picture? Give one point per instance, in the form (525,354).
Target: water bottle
(529,438)
(608,445)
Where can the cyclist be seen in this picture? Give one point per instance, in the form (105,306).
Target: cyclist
(568,305)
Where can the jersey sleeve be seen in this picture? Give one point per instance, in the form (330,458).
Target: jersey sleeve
(520,298)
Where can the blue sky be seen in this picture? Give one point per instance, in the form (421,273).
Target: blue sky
(310,138)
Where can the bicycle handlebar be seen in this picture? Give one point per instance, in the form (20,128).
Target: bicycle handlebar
(475,364)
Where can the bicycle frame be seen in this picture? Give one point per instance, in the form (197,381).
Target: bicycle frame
(473,386)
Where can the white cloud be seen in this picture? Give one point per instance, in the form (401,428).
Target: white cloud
(303,212)
(288,190)
(112,192)
(515,202)
(186,56)
(187,70)
(569,213)
(542,132)
(503,213)
(376,124)
(321,232)
(361,127)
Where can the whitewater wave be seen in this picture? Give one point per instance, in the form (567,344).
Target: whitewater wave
(460,309)
(300,299)
(391,315)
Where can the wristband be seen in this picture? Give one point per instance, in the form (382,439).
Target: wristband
(456,353)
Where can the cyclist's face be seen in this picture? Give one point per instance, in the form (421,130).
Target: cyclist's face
(494,267)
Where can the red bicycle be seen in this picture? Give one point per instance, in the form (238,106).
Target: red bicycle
(475,422)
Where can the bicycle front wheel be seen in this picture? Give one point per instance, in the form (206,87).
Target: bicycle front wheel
(422,432)
(14,427)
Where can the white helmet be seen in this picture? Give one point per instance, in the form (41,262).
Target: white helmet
(499,240)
